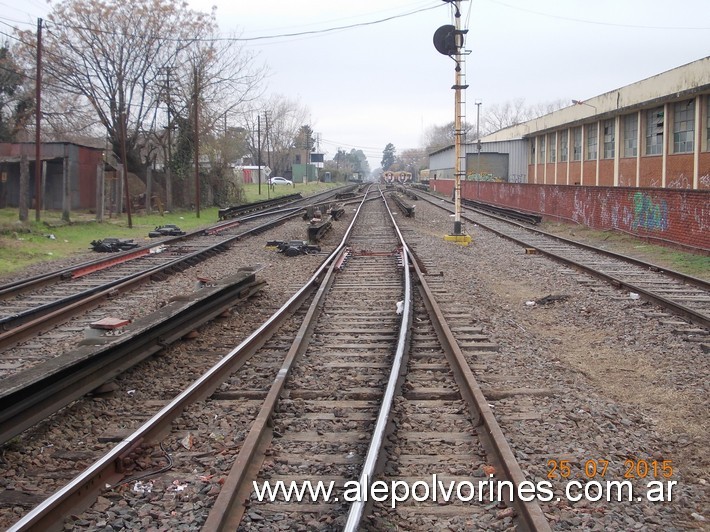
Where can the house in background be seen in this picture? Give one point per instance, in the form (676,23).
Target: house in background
(68,169)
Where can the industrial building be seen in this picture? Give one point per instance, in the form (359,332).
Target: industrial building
(652,133)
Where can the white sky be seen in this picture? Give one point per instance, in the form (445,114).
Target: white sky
(380,83)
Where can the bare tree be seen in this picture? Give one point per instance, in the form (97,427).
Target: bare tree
(511,113)
(441,136)
(284,118)
(113,55)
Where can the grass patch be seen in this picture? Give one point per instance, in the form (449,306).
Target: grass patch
(695,264)
(24,244)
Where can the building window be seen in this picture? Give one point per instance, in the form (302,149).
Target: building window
(654,131)
(631,135)
(577,144)
(563,146)
(532,151)
(541,150)
(707,121)
(552,142)
(683,126)
(591,142)
(609,139)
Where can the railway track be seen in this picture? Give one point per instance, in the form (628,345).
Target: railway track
(337,369)
(685,296)
(34,305)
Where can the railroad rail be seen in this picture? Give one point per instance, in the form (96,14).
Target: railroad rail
(684,295)
(30,306)
(338,377)
(28,397)
(519,216)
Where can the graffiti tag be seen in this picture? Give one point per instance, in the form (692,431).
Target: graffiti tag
(648,214)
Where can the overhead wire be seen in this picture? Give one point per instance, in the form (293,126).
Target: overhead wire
(597,22)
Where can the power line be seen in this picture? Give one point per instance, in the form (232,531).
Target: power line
(257,38)
(596,22)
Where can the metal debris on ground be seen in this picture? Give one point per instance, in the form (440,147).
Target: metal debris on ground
(112,245)
(166,230)
(551,299)
(293,247)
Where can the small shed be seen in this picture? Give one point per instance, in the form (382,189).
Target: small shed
(78,164)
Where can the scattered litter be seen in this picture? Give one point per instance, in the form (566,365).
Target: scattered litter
(51,237)
(489,470)
(176,486)
(634,295)
(530,303)
(400,307)
(551,299)
(111,245)
(131,392)
(166,230)
(158,249)
(293,247)
(143,487)
(187,441)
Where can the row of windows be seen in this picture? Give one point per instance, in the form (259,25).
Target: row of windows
(653,120)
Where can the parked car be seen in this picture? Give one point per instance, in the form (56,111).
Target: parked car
(276,180)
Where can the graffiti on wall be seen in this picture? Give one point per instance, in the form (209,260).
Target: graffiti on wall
(649,214)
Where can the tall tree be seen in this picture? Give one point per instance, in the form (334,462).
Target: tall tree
(281,122)
(388,156)
(113,55)
(438,137)
(16,103)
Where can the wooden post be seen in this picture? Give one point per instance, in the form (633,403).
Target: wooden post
(100,192)
(66,187)
(119,191)
(23,202)
(149,190)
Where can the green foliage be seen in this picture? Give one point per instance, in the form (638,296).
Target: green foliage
(23,244)
(15,106)
(388,156)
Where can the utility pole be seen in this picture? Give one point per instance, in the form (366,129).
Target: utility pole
(478,146)
(449,40)
(38,120)
(268,152)
(258,148)
(168,170)
(125,167)
(197,143)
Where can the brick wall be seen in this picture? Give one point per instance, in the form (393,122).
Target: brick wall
(676,216)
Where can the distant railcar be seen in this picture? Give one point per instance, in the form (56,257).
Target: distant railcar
(391,178)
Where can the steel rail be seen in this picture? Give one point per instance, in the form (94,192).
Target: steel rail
(38,319)
(32,321)
(678,308)
(31,396)
(20,286)
(81,491)
(225,513)
(499,450)
(357,508)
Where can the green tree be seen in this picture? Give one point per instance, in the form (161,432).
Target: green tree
(16,104)
(114,56)
(388,156)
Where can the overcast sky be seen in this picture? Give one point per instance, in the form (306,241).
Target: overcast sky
(381,82)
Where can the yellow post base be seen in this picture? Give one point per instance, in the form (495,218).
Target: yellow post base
(461,240)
